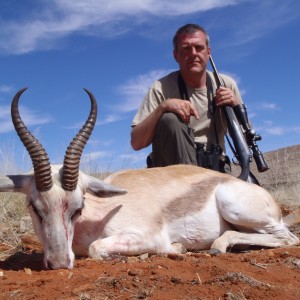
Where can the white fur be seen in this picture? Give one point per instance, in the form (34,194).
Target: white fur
(195,207)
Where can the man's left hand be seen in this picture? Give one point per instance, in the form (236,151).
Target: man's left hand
(225,96)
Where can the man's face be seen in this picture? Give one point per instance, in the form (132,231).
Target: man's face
(192,53)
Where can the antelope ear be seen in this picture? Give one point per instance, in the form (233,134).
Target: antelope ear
(15,183)
(103,189)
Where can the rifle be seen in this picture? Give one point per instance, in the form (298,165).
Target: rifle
(244,141)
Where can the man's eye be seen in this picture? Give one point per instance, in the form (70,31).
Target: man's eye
(199,48)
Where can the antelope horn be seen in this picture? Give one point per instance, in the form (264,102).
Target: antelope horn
(38,155)
(74,151)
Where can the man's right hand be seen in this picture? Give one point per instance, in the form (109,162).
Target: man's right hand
(142,134)
(183,108)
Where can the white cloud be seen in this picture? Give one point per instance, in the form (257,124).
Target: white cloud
(96,155)
(135,158)
(269,106)
(111,118)
(268,122)
(96,142)
(5,119)
(5,88)
(29,117)
(4,111)
(234,76)
(96,162)
(43,27)
(280,130)
(262,17)
(134,90)
(275,130)
(296,129)
(5,126)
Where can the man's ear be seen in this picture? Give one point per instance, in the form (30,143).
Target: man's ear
(175,55)
(208,50)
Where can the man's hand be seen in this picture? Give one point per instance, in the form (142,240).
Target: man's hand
(225,96)
(183,108)
(142,134)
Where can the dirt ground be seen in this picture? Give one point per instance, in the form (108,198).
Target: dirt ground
(252,274)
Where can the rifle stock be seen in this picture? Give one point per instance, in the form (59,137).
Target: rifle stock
(241,146)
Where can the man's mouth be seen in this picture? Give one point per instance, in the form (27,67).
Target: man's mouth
(194,62)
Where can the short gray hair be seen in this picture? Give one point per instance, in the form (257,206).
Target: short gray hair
(186,29)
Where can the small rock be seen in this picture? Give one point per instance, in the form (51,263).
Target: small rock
(132,259)
(207,255)
(175,256)
(296,262)
(144,256)
(135,272)
(27,271)
(285,254)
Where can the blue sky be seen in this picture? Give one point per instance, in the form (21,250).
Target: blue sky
(116,49)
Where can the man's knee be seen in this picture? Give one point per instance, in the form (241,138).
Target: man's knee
(169,122)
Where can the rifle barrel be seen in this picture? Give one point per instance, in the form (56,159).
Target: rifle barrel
(236,134)
(217,77)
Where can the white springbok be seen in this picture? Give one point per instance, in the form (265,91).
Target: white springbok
(156,210)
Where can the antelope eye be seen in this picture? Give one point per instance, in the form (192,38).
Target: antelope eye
(36,212)
(76,214)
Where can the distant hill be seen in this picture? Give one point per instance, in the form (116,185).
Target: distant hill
(283,175)
(284,166)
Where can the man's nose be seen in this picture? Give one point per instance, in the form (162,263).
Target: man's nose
(193,50)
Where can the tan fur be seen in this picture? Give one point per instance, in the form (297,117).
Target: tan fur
(159,210)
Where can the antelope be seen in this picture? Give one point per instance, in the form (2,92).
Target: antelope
(158,210)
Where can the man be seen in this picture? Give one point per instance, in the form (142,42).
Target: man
(174,125)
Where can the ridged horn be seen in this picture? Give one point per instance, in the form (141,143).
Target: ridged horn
(74,151)
(38,155)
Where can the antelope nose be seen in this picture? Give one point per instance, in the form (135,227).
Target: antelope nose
(54,265)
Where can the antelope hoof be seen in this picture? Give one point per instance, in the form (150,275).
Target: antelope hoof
(214,252)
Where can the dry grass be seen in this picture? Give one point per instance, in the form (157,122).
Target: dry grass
(282,181)
(12,210)
(12,205)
